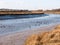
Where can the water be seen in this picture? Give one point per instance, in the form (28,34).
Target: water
(20,16)
(26,22)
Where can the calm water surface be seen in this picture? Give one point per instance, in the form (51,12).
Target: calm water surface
(18,23)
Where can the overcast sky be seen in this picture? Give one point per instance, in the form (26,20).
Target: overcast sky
(30,4)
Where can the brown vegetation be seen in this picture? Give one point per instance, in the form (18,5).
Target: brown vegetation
(9,11)
(53,11)
(45,38)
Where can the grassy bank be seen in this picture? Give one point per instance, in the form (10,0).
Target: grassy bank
(45,38)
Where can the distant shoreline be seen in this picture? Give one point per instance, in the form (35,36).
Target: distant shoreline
(28,12)
(20,12)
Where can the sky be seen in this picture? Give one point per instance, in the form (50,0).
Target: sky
(30,4)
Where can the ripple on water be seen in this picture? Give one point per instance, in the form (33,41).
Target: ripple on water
(13,25)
